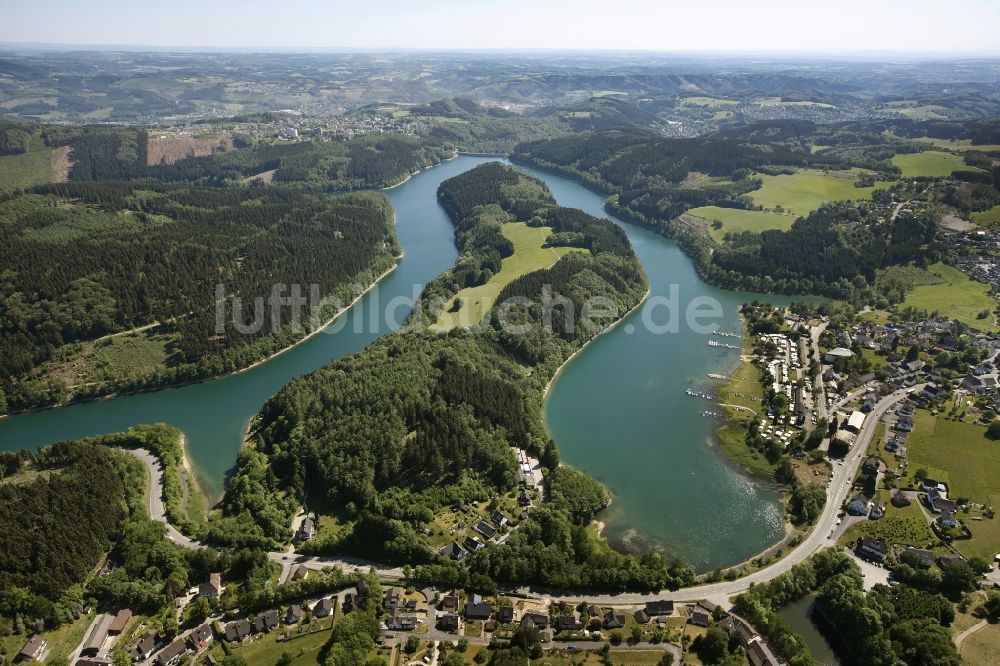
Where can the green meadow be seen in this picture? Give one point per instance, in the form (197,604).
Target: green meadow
(930,164)
(806,190)
(956,296)
(530,254)
(987,218)
(735,220)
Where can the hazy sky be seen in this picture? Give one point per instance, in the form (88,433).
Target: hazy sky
(660,25)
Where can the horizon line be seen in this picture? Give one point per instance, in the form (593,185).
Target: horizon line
(310,50)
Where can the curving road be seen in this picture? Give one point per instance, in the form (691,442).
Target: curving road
(820,536)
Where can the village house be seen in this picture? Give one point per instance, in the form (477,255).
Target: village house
(487,530)
(700,617)
(449,603)
(307,529)
(238,630)
(858,505)
(213,588)
(641,616)
(266,621)
(613,620)
(448,622)
(95,641)
(535,619)
(877,510)
(453,551)
(505,614)
(499,519)
(119,623)
(34,649)
(477,608)
(659,607)
(918,557)
(568,622)
(172,653)
(875,550)
(293,614)
(323,608)
(146,646)
(201,638)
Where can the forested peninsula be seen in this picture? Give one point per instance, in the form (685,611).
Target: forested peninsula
(387,440)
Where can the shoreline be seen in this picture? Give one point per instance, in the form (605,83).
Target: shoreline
(564,364)
(202,380)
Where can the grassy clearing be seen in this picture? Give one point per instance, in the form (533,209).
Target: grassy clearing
(529,255)
(745,380)
(921,112)
(905,525)
(956,296)
(62,641)
(930,164)
(985,542)
(304,648)
(983,647)
(959,144)
(711,102)
(114,358)
(987,218)
(25,170)
(959,453)
(808,189)
(735,220)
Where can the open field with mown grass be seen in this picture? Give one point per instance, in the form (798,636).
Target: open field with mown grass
(985,541)
(987,218)
(983,647)
(529,255)
(706,101)
(930,164)
(957,452)
(806,190)
(956,296)
(304,648)
(735,220)
(25,170)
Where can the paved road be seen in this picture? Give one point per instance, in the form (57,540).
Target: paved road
(959,639)
(819,391)
(821,535)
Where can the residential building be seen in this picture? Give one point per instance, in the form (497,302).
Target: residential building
(293,614)
(213,588)
(873,549)
(172,653)
(659,607)
(34,649)
(323,608)
(121,620)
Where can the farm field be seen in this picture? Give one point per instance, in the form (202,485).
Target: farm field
(529,255)
(930,164)
(806,190)
(957,296)
(959,144)
(735,220)
(707,101)
(25,170)
(958,453)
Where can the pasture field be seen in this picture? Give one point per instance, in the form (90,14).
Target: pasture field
(987,218)
(957,296)
(805,190)
(959,144)
(25,170)
(529,255)
(707,101)
(736,220)
(905,525)
(930,164)
(985,542)
(957,453)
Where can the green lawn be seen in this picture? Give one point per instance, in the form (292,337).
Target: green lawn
(957,452)
(529,255)
(304,648)
(985,542)
(983,647)
(806,190)
(957,296)
(736,220)
(987,218)
(905,525)
(930,164)
(707,101)
(25,170)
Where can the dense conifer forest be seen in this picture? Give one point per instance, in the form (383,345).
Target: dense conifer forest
(85,259)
